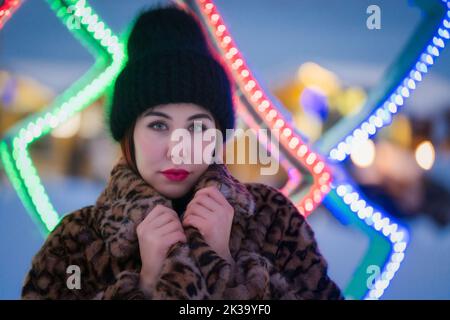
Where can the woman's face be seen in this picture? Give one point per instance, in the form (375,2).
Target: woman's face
(156,149)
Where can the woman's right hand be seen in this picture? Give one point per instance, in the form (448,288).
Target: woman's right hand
(156,234)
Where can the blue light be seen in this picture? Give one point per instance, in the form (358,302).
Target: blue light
(411,83)
(422,66)
(398,100)
(416,75)
(392,107)
(443,33)
(433,50)
(381,222)
(404,92)
(381,116)
(438,42)
(314,103)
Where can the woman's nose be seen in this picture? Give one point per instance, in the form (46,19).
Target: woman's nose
(178,151)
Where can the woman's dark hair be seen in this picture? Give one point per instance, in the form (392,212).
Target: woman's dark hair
(127,146)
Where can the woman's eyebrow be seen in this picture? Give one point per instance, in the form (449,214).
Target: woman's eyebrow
(164,115)
(157,113)
(199,116)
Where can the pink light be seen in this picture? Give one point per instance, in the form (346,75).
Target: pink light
(7,10)
(268,112)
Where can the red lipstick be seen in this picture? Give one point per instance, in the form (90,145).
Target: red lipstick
(175,174)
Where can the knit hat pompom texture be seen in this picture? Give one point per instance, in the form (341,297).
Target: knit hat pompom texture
(169,61)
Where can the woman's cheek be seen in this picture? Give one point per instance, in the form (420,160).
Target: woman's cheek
(147,147)
(154,147)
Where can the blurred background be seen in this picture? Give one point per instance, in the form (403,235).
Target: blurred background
(317,57)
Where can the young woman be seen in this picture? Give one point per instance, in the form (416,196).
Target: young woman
(165,227)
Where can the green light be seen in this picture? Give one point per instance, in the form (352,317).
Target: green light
(110,57)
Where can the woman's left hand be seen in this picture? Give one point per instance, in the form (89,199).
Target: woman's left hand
(212,215)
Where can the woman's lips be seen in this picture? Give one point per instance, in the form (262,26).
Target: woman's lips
(175,174)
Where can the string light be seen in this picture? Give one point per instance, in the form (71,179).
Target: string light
(339,146)
(380,222)
(14,148)
(266,108)
(425,155)
(7,9)
(382,115)
(363,153)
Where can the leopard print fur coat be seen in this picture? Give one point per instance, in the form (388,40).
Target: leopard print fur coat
(275,253)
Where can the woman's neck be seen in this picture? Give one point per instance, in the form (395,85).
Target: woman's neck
(180,204)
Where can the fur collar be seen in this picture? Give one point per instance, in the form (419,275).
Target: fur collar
(127,199)
(275,255)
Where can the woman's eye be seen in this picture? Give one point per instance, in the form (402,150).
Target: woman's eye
(198,127)
(157,126)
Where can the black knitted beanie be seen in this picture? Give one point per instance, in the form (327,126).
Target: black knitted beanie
(169,61)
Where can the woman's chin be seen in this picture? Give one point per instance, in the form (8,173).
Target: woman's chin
(173,192)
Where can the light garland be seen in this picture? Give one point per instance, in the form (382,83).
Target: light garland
(384,225)
(7,10)
(343,195)
(294,177)
(110,57)
(386,108)
(266,109)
